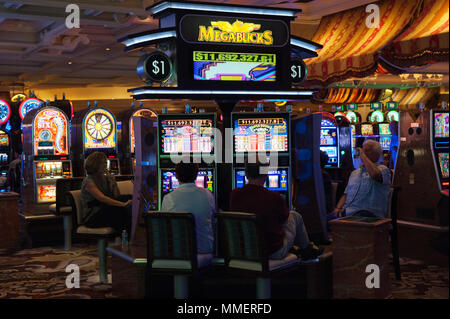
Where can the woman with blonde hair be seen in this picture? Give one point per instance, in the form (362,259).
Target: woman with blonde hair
(102,205)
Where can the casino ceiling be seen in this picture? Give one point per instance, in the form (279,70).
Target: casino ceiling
(38,52)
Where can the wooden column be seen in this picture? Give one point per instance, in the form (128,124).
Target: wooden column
(9,220)
(357,243)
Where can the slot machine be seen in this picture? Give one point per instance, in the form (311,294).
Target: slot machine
(127,144)
(261,133)
(94,130)
(5,141)
(329,139)
(45,157)
(422,169)
(186,135)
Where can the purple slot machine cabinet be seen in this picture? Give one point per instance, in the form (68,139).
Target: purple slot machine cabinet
(127,139)
(94,130)
(186,135)
(45,157)
(261,133)
(5,141)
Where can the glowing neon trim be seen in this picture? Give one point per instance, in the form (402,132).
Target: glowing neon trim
(290,93)
(304,45)
(150,37)
(221,8)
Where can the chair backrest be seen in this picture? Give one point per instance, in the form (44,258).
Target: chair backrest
(125,187)
(64,185)
(334,187)
(75,199)
(171,237)
(120,178)
(392,206)
(242,238)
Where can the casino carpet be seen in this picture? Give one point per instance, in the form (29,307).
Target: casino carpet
(40,273)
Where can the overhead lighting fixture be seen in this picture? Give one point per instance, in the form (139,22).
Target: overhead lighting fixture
(108,49)
(69,63)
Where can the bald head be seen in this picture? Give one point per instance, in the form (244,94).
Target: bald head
(373,150)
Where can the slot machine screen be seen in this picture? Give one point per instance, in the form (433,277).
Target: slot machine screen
(328,137)
(353,130)
(441,125)
(99,130)
(50,133)
(261,135)
(3,158)
(352,117)
(384,129)
(4,139)
(233,66)
(277,180)
(331,152)
(205,179)
(366,129)
(385,142)
(187,135)
(443,163)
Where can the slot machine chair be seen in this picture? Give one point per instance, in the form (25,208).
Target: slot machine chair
(63,206)
(392,214)
(244,245)
(172,249)
(101,234)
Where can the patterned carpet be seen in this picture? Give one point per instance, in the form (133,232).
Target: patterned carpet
(40,273)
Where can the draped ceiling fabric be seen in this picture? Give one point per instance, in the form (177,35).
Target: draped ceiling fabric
(350,47)
(414,96)
(348,95)
(425,41)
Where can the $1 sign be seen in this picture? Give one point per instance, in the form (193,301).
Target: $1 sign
(298,71)
(158,66)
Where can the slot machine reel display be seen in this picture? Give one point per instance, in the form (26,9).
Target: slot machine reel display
(266,134)
(95,130)
(46,155)
(329,140)
(186,135)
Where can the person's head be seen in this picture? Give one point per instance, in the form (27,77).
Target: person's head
(254,174)
(373,150)
(95,164)
(186,172)
(323,159)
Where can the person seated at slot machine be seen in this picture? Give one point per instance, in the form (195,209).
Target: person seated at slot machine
(198,201)
(367,191)
(283,228)
(102,204)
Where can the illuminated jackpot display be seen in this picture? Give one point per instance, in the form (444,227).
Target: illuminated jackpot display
(258,135)
(99,130)
(5,112)
(187,136)
(441,125)
(28,105)
(143,113)
(50,133)
(229,66)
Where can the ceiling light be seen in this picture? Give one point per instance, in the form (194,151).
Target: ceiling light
(70,62)
(108,49)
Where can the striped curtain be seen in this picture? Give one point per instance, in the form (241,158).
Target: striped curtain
(350,47)
(425,41)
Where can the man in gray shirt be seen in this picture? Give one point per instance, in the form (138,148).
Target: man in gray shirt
(195,200)
(367,191)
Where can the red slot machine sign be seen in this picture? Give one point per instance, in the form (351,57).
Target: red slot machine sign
(50,133)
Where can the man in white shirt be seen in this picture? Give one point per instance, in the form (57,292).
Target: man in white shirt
(195,200)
